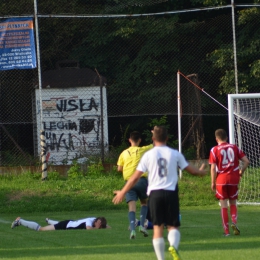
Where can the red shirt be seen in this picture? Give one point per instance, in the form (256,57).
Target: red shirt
(226,157)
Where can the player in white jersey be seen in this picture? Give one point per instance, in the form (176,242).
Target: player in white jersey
(86,223)
(162,163)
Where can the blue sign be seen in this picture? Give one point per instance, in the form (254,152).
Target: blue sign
(17,48)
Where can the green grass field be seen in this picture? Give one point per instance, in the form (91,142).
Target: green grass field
(201,237)
(76,197)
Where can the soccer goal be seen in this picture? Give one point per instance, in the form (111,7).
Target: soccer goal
(244,131)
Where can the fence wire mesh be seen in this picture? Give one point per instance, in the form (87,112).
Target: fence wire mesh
(86,48)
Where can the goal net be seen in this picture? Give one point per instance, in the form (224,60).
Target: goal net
(244,131)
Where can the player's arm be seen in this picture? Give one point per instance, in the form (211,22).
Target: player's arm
(120,163)
(213,173)
(246,162)
(95,225)
(120,194)
(89,227)
(119,168)
(195,171)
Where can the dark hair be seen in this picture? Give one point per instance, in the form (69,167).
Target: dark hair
(160,133)
(135,136)
(103,222)
(221,134)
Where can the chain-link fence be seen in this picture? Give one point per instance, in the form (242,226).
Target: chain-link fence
(102,73)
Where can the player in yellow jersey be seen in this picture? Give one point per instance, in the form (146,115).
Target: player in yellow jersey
(127,163)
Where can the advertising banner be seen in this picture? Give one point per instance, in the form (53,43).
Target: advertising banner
(17,48)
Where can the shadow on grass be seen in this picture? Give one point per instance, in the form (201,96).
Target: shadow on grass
(29,243)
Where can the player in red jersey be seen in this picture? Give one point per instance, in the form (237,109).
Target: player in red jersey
(225,175)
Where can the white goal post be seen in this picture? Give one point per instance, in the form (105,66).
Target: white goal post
(244,131)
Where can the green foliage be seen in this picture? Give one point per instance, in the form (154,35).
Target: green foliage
(95,169)
(124,139)
(54,175)
(190,153)
(247,15)
(211,2)
(114,151)
(157,122)
(75,171)
(222,58)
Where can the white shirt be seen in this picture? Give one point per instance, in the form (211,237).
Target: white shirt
(162,163)
(76,223)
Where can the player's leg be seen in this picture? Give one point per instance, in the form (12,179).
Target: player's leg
(47,228)
(158,241)
(141,191)
(143,213)
(172,221)
(29,224)
(233,210)
(157,211)
(222,195)
(148,224)
(174,237)
(233,195)
(131,218)
(224,216)
(51,221)
(16,222)
(131,198)
(233,191)
(148,215)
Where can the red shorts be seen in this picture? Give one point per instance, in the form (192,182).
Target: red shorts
(226,192)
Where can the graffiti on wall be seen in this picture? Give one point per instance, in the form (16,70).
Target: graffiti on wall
(71,120)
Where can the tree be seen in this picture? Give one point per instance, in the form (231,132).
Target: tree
(248,44)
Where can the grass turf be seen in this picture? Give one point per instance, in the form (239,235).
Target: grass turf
(201,237)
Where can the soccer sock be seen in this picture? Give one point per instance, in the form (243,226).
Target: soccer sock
(159,247)
(52,222)
(131,217)
(233,213)
(224,216)
(174,237)
(143,214)
(30,224)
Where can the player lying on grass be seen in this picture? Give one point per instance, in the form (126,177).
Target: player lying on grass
(86,223)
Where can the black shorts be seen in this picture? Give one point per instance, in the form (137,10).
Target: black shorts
(164,207)
(61,225)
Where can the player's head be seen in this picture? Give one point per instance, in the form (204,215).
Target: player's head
(99,222)
(221,135)
(160,134)
(135,136)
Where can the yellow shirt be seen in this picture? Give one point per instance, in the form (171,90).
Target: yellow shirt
(130,158)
